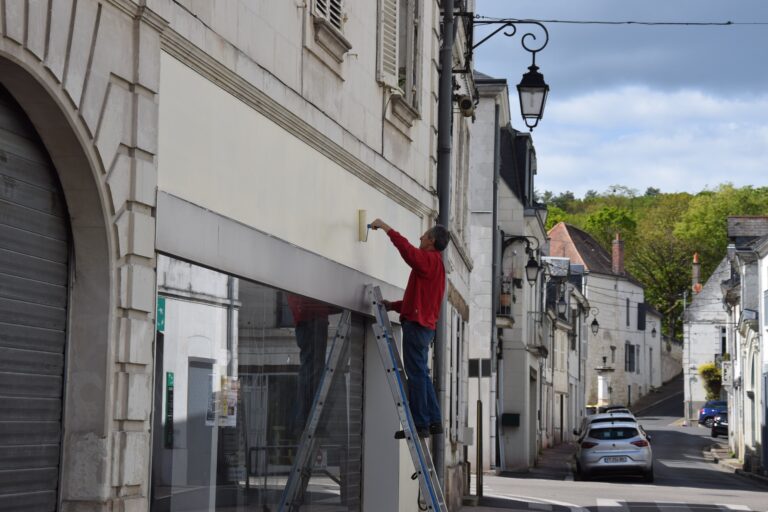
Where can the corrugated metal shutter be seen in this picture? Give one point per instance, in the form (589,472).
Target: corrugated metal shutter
(34,248)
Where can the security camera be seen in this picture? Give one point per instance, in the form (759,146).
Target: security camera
(466,106)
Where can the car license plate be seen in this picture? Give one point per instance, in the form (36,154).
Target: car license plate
(614,460)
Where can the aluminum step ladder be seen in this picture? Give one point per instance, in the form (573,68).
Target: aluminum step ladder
(301,471)
(393,365)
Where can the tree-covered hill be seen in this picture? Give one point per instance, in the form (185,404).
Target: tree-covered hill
(661,233)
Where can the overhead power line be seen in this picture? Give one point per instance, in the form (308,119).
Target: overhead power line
(628,22)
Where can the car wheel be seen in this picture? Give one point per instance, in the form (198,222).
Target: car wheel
(713,433)
(708,422)
(648,475)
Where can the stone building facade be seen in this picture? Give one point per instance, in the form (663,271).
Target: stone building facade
(197,167)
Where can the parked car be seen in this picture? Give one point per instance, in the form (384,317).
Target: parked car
(609,417)
(612,408)
(614,449)
(710,410)
(720,424)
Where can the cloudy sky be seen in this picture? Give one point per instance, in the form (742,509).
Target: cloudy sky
(679,108)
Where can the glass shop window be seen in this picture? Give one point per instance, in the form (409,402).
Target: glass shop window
(239,366)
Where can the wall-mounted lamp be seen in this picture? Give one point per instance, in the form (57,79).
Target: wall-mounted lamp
(595,325)
(562,306)
(532,89)
(653,332)
(532,268)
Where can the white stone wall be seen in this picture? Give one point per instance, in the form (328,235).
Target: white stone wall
(480,196)
(609,294)
(705,324)
(87,74)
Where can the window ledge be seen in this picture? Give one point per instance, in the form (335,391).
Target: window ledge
(327,36)
(404,111)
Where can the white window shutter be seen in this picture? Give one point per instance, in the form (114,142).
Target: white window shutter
(388,42)
(330,10)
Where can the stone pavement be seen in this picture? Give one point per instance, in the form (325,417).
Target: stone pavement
(554,464)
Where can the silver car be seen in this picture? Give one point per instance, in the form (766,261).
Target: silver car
(607,417)
(614,448)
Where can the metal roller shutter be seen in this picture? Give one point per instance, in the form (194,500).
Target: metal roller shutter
(34,249)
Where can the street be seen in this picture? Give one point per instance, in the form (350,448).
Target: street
(685,478)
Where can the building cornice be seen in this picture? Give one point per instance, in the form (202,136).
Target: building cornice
(198,60)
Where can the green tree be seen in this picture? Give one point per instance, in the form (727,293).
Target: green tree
(609,220)
(652,192)
(713,380)
(704,225)
(660,260)
(555,215)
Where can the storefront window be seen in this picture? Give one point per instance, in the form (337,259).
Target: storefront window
(238,368)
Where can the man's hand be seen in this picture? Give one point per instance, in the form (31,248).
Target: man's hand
(387,305)
(380,224)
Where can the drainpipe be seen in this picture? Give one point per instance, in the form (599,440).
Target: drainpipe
(444,136)
(494,427)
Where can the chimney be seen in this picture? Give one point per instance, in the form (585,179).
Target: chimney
(696,274)
(617,257)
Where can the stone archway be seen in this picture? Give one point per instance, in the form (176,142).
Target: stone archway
(86,74)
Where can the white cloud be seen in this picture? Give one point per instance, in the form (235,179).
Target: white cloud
(639,137)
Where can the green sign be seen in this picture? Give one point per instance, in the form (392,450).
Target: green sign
(168,427)
(160,314)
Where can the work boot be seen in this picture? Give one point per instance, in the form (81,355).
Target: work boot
(436,428)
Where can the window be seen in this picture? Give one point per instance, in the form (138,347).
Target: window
(723,339)
(637,359)
(627,312)
(331,11)
(629,357)
(239,365)
(613,354)
(328,21)
(400,51)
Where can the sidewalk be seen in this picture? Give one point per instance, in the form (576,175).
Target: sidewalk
(553,464)
(720,454)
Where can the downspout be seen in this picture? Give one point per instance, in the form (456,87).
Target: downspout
(495,287)
(444,136)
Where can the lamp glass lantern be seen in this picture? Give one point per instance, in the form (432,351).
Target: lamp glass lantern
(532,271)
(653,332)
(562,306)
(533,91)
(595,326)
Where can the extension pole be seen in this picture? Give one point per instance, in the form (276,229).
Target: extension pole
(444,136)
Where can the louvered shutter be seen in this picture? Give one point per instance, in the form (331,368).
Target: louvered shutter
(34,276)
(388,42)
(330,10)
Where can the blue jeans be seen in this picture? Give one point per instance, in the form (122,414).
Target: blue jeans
(421,393)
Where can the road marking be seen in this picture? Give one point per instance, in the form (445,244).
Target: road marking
(535,503)
(733,507)
(604,502)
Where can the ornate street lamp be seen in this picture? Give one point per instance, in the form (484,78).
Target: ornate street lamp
(532,89)
(653,332)
(532,268)
(595,325)
(562,306)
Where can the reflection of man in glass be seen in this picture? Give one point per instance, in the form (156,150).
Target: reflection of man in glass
(311,328)
(310,319)
(419,311)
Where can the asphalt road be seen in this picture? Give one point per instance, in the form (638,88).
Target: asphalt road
(685,479)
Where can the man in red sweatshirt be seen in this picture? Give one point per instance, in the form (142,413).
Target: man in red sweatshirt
(419,311)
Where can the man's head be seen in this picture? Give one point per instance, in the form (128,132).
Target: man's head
(435,238)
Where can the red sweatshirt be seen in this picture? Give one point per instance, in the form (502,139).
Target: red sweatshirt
(426,284)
